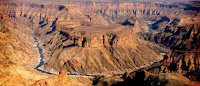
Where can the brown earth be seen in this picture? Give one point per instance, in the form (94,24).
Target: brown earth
(19,56)
(97,49)
(98,38)
(184,43)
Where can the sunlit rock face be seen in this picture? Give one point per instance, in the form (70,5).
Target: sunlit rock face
(98,49)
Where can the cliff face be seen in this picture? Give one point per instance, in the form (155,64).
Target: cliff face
(19,56)
(165,79)
(17,51)
(63,29)
(78,14)
(186,63)
(177,37)
(185,56)
(184,41)
(120,11)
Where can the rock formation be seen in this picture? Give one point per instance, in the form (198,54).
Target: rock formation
(17,50)
(59,80)
(57,28)
(93,38)
(97,49)
(19,56)
(184,41)
(145,78)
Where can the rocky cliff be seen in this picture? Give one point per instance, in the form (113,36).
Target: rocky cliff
(19,56)
(162,79)
(17,52)
(185,56)
(69,27)
(62,29)
(183,39)
(181,35)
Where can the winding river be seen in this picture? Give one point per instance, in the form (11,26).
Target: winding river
(42,57)
(41,60)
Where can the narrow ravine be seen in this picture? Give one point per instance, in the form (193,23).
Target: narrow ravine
(41,60)
(149,23)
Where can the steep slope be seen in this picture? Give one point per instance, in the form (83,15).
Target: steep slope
(183,39)
(145,78)
(97,49)
(57,29)
(185,56)
(179,34)
(19,56)
(17,49)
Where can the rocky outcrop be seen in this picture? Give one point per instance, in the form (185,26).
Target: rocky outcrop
(59,80)
(16,51)
(184,41)
(185,63)
(145,78)
(97,49)
(19,56)
(108,80)
(174,36)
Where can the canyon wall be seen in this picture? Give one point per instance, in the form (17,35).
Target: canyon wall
(185,56)
(19,56)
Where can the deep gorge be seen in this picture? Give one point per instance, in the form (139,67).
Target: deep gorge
(99,38)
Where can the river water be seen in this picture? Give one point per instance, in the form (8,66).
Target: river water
(149,23)
(41,59)
(159,48)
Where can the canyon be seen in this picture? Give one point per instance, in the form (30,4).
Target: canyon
(63,43)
